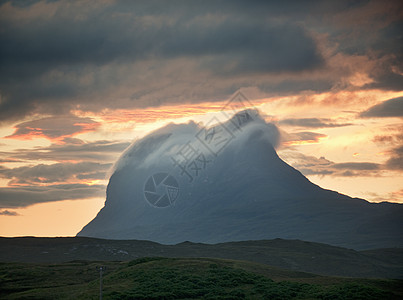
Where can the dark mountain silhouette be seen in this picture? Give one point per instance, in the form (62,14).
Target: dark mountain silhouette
(242,190)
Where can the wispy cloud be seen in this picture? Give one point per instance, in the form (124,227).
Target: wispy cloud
(14,197)
(56,173)
(395,162)
(55,129)
(75,151)
(310,165)
(394,140)
(312,123)
(302,137)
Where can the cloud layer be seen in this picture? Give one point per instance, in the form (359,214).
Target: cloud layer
(57,56)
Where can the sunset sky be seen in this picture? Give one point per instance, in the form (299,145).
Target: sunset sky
(81,80)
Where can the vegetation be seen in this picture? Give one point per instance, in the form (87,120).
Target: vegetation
(295,255)
(182,278)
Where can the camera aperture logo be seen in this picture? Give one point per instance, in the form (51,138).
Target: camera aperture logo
(161,190)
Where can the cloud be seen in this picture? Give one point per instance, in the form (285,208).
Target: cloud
(394,196)
(55,173)
(358,166)
(98,151)
(312,123)
(8,213)
(59,56)
(397,195)
(14,197)
(389,139)
(389,108)
(55,129)
(303,137)
(77,175)
(388,79)
(310,165)
(74,53)
(394,140)
(139,35)
(6,160)
(395,162)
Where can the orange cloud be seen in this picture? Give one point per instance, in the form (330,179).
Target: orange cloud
(149,115)
(54,129)
(153,114)
(87,173)
(302,138)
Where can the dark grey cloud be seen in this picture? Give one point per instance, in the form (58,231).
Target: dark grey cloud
(14,197)
(387,79)
(389,108)
(388,139)
(312,123)
(55,173)
(310,165)
(226,42)
(389,73)
(302,136)
(395,162)
(92,175)
(393,138)
(98,151)
(358,166)
(136,30)
(392,135)
(290,86)
(59,55)
(9,213)
(254,46)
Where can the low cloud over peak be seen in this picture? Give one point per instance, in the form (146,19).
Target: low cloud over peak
(209,140)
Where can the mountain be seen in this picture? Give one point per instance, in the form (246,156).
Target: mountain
(292,255)
(226,183)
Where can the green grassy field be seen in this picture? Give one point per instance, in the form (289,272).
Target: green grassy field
(183,278)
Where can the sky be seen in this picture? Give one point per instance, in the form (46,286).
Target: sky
(81,80)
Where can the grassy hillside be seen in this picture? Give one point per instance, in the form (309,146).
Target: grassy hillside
(289,254)
(182,278)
